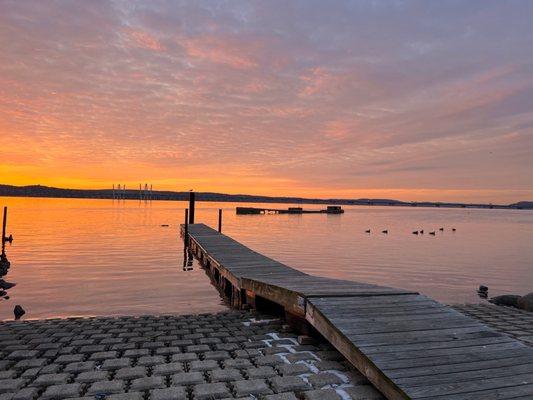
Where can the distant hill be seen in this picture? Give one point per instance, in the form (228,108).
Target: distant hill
(133,194)
(523,205)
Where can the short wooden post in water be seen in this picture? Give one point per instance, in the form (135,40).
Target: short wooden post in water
(4,223)
(220,220)
(191,207)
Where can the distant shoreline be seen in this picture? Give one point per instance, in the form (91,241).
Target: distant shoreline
(129,194)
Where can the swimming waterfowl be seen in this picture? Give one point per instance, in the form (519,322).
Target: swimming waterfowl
(432,233)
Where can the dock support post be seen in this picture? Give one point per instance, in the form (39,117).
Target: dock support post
(220,220)
(186,232)
(191,207)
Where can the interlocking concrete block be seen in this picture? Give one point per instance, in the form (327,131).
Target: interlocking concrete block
(147,361)
(197,348)
(103,355)
(31,363)
(250,353)
(112,364)
(216,355)
(69,358)
(78,367)
(136,353)
(274,350)
(165,351)
(131,373)
(289,384)
(324,379)
(51,379)
(5,364)
(92,376)
(239,363)
(126,396)
(28,393)
(268,360)
(23,355)
(167,369)
(92,348)
(11,385)
(11,374)
(62,391)
(211,391)
(147,383)
(281,396)
(324,394)
(293,369)
(329,365)
(364,392)
(226,347)
(253,387)
(301,356)
(171,393)
(203,365)
(184,357)
(225,375)
(106,387)
(187,378)
(261,372)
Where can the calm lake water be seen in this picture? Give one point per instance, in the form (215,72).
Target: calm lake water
(75,257)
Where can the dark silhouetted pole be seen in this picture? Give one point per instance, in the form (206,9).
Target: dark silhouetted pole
(186,232)
(4,237)
(191,207)
(4,223)
(220,220)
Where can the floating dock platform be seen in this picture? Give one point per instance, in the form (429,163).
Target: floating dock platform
(290,210)
(407,344)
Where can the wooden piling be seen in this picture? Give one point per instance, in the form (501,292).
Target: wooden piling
(220,220)
(191,207)
(4,224)
(186,229)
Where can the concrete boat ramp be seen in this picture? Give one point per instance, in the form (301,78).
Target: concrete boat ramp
(408,345)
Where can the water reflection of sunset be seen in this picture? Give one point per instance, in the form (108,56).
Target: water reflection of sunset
(87,257)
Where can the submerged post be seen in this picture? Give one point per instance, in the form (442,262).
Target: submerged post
(191,207)
(220,220)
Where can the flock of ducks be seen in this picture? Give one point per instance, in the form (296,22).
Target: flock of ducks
(419,232)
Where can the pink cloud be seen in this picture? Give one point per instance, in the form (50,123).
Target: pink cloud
(144,40)
(219,51)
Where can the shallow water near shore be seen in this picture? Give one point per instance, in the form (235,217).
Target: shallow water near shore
(74,257)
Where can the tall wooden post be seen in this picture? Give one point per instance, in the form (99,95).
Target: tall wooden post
(4,223)
(186,230)
(220,220)
(191,207)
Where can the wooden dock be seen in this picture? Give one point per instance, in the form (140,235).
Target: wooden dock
(408,345)
(290,210)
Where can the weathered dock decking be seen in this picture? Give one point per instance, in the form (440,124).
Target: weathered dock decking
(408,345)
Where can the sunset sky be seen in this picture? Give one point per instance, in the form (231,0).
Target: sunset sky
(414,100)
